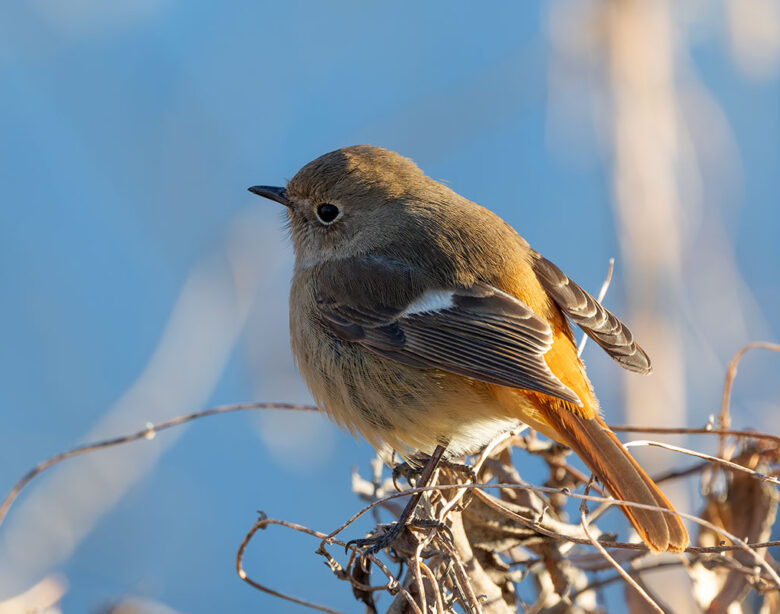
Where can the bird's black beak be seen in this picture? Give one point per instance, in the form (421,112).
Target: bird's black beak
(267,191)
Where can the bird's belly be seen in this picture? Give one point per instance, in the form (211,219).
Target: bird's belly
(391,404)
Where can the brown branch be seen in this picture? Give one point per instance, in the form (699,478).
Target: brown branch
(262,523)
(692,431)
(725,419)
(632,570)
(608,557)
(147,433)
(707,457)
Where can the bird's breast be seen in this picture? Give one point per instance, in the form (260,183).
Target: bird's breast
(389,403)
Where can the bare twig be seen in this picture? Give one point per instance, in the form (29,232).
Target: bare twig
(724,419)
(262,523)
(712,459)
(614,578)
(602,294)
(694,431)
(608,557)
(435,586)
(149,432)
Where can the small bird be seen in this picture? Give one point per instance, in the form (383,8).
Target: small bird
(427,324)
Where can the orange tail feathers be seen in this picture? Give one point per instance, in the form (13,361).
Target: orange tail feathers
(606,457)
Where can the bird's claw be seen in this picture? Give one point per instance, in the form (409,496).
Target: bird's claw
(401,469)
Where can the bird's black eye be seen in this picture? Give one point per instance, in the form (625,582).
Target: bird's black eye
(327,213)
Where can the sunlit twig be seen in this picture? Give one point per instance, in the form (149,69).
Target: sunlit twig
(148,432)
(724,419)
(602,294)
(608,557)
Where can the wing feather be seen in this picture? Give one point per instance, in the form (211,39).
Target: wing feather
(481,333)
(598,323)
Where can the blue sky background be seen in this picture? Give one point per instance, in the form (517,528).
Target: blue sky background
(129,132)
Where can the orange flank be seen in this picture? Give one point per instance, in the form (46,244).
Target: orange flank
(583,430)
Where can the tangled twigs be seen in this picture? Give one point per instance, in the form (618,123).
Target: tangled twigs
(393,584)
(571,536)
(263,522)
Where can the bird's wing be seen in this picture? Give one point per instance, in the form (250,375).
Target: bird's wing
(597,322)
(478,332)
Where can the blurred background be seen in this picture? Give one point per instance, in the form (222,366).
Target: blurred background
(140,280)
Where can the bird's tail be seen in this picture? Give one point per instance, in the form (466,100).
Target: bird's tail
(606,457)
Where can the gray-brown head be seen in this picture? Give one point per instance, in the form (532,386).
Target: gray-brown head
(355,200)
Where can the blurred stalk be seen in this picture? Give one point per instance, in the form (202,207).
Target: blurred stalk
(639,44)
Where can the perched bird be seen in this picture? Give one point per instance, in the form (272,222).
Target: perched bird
(424,322)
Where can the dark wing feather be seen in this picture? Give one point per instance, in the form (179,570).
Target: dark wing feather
(598,323)
(482,333)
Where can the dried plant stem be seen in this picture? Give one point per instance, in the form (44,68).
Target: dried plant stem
(602,294)
(608,557)
(262,523)
(435,585)
(693,431)
(415,567)
(460,571)
(725,419)
(483,456)
(149,432)
(707,457)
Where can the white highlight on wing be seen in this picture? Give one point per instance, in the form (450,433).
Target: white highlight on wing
(430,300)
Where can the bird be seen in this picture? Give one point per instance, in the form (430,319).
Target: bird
(425,323)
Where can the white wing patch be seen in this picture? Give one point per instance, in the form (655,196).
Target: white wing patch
(430,300)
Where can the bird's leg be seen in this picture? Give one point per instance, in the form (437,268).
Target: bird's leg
(372,545)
